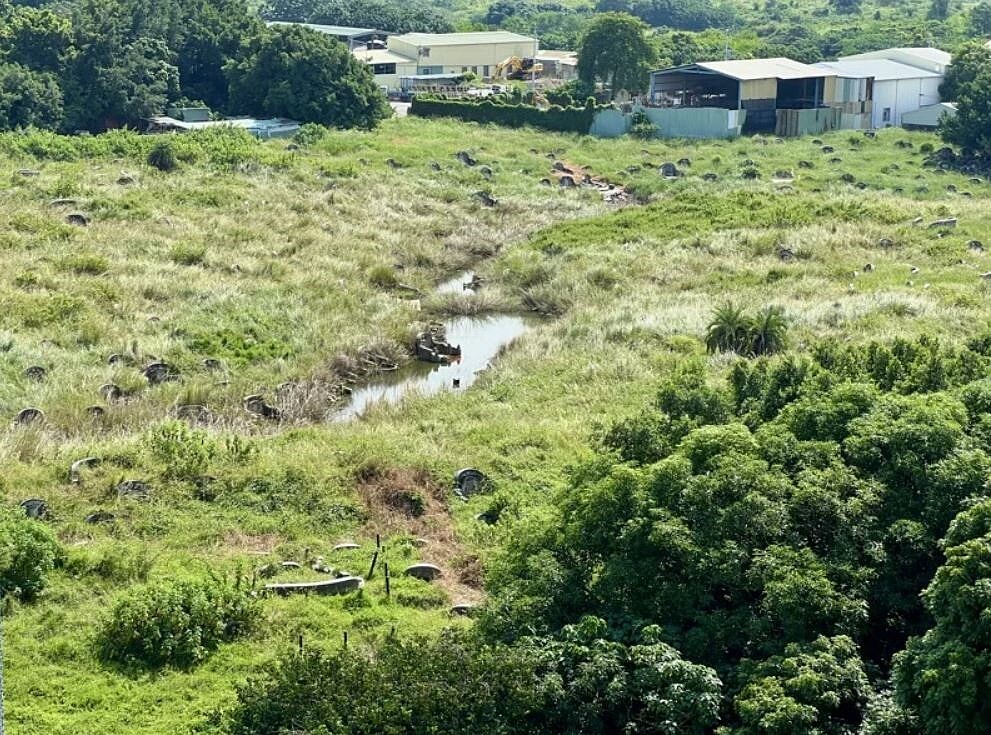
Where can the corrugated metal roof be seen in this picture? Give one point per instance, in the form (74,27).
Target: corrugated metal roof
(341,31)
(382,56)
(751,69)
(883,70)
(925,53)
(463,39)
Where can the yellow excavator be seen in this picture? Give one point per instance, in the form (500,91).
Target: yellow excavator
(518,68)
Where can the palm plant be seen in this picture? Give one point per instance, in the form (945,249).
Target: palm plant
(769,331)
(729,330)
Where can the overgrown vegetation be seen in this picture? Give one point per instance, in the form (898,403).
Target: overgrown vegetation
(260,269)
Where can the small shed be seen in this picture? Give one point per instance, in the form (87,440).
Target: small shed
(891,87)
(762,88)
(928,117)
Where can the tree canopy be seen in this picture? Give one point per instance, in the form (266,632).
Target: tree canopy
(295,72)
(615,50)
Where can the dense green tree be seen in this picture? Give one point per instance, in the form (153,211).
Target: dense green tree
(944,677)
(820,687)
(939,9)
(36,39)
(28,98)
(384,15)
(291,71)
(615,50)
(679,14)
(980,19)
(969,83)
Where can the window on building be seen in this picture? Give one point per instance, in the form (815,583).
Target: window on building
(474,70)
(430,70)
(383,68)
(886,115)
(485,70)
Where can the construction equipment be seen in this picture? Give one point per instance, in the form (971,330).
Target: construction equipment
(518,68)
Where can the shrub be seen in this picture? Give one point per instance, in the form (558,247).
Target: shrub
(28,552)
(559,119)
(642,127)
(185,452)
(163,155)
(188,253)
(175,623)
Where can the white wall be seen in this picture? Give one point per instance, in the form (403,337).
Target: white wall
(901,96)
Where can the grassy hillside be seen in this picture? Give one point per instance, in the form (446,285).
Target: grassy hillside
(294,267)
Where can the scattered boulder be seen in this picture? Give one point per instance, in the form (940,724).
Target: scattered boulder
(485,199)
(100,516)
(136,489)
(63,202)
(465,158)
(567,182)
(159,372)
(96,412)
(836,159)
(432,346)
(256,404)
(77,467)
(710,176)
(975,246)
(320,565)
(211,363)
(861,185)
(434,166)
(686,162)
(35,373)
(976,180)
(749,162)
(560,166)
(816,141)
(110,392)
(78,219)
(116,359)
(868,268)
(986,276)
(885,242)
(28,416)
(828,149)
(545,182)
(291,565)
(469,481)
(946,223)
(805,164)
(346,546)
(485,171)
(750,173)
(669,170)
(786,254)
(903,144)
(393,163)
(339,586)
(35,508)
(462,609)
(126,179)
(951,188)
(783,175)
(28,172)
(424,571)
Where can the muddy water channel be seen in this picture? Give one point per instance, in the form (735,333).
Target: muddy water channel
(480,338)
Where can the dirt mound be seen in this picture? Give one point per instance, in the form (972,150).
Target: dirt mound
(409,501)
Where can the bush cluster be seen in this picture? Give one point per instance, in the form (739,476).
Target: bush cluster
(175,623)
(558,119)
(28,552)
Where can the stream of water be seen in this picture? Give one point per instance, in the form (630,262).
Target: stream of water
(480,337)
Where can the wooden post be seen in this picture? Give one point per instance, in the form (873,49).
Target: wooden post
(378,541)
(388,592)
(300,645)
(345,639)
(371,569)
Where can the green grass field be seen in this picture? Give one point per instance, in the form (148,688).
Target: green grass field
(285,265)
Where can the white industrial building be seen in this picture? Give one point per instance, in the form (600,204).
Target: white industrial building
(893,88)
(928,58)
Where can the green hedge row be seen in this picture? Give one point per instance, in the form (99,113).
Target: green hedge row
(558,119)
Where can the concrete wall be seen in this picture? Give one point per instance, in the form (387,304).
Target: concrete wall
(456,59)
(901,96)
(674,122)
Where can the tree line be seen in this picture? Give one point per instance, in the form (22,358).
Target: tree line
(100,64)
